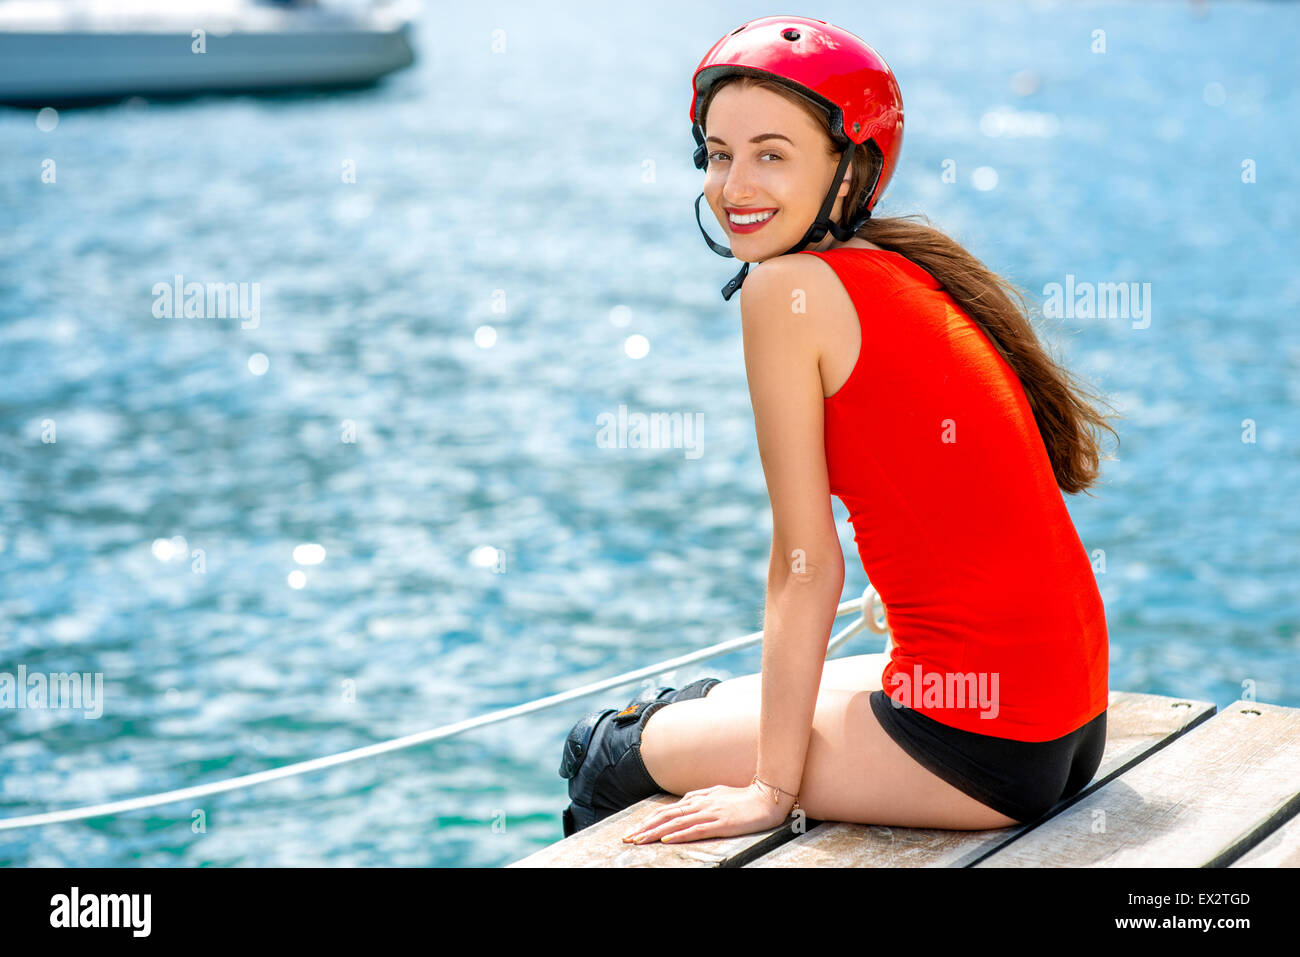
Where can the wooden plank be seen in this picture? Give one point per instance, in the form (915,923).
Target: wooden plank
(1279,849)
(1200,802)
(1137,725)
(601,845)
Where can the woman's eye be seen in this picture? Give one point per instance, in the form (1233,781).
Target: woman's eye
(720,153)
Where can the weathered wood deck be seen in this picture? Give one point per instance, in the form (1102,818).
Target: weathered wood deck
(1180,785)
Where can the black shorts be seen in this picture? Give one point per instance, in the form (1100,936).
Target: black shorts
(1021,779)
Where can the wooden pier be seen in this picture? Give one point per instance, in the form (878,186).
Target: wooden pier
(1180,785)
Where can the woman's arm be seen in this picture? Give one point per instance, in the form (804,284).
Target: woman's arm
(806,567)
(805,579)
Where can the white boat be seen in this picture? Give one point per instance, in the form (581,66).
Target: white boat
(54,53)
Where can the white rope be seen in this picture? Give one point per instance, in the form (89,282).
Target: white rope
(435,734)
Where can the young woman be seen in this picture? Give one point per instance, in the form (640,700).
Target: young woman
(889,367)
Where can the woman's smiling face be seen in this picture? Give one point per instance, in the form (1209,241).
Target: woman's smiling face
(767,158)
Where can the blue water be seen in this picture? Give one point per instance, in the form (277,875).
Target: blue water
(534,190)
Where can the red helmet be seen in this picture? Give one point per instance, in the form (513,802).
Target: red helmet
(834,70)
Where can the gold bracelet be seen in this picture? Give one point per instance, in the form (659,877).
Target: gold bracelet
(774,788)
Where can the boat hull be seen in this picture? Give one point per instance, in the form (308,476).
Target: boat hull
(69,67)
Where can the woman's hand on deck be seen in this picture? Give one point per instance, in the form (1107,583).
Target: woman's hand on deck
(719,811)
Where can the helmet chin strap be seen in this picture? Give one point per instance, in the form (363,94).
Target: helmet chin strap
(815,233)
(735,282)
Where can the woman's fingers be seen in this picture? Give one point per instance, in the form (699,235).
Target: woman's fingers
(659,817)
(665,820)
(695,832)
(684,806)
(677,824)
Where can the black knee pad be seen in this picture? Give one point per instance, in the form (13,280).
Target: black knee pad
(696,689)
(602,761)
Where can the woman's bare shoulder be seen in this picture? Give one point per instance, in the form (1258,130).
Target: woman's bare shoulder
(788,276)
(809,289)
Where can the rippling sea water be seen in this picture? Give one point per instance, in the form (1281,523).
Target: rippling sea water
(545,191)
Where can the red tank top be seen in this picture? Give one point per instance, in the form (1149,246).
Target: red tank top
(997,621)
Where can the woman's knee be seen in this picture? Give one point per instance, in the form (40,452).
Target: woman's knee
(742,685)
(702,742)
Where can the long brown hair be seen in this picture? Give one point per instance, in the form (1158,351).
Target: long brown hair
(1062,410)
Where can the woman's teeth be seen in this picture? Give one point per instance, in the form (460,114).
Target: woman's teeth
(751,218)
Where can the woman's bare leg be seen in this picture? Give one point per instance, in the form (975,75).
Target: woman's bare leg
(854,771)
(851,673)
